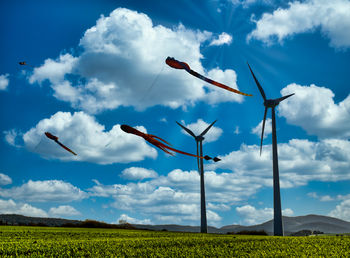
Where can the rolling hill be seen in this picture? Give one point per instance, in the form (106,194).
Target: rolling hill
(291,224)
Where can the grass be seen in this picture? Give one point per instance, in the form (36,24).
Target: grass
(84,242)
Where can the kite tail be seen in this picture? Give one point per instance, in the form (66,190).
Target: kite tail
(215,159)
(165,150)
(154,136)
(66,148)
(189,154)
(218,84)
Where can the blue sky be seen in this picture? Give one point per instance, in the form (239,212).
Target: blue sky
(94,65)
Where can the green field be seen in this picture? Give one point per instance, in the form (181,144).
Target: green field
(45,241)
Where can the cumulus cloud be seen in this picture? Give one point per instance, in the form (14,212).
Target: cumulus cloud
(237,131)
(216,95)
(138,173)
(198,127)
(44,191)
(4,81)
(222,39)
(328,198)
(120,58)
(11,137)
(248,3)
(85,136)
(11,207)
(5,179)
(63,210)
(300,161)
(331,17)
(253,216)
(175,198)
(313,108)
(268,128)
(125,217)
(342,211)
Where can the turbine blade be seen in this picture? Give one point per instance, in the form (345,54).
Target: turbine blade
(284,97)
(262,131)
(187,130)
(206,130)
(257,83)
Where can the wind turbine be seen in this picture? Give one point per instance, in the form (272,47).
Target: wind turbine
(277,210)
(199,139)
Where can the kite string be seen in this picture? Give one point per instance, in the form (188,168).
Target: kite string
(152,84)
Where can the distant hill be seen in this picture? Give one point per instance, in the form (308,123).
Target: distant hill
(291,224)
(14,219)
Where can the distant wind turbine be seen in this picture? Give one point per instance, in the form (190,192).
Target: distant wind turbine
(199,139)
(272,103)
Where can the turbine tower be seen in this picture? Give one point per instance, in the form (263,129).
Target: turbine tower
(199,139)
(277,210)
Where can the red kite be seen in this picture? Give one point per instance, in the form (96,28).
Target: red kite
(172,62)
(153,140)
(55,139)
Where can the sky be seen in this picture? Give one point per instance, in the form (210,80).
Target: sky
(94,65)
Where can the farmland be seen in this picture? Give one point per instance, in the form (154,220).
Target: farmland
(48,241)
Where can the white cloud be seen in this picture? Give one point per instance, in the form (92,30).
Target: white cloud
(5,179)
(248,3)
(121,57)
(253,216)
(328,198)
(222,39)
(217,95)
(10,137)
(11,207)
(342,211)
(300,161)
(237,131)
(176,195)
(85,136)
(44,191)
(219,207)
(4,81)
(164,120)
(313,109)
(138,173)
(198,127)
(175,198)
(313,195)
(268,128)
(131,220)
(63,210)
(332,17)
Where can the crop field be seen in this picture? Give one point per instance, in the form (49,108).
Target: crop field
(56,242)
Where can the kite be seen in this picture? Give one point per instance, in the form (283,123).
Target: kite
(55,139)
(172,62)
(24,63)
(153,140)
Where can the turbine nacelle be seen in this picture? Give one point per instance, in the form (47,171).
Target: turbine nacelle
(271,103)
(199,138)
